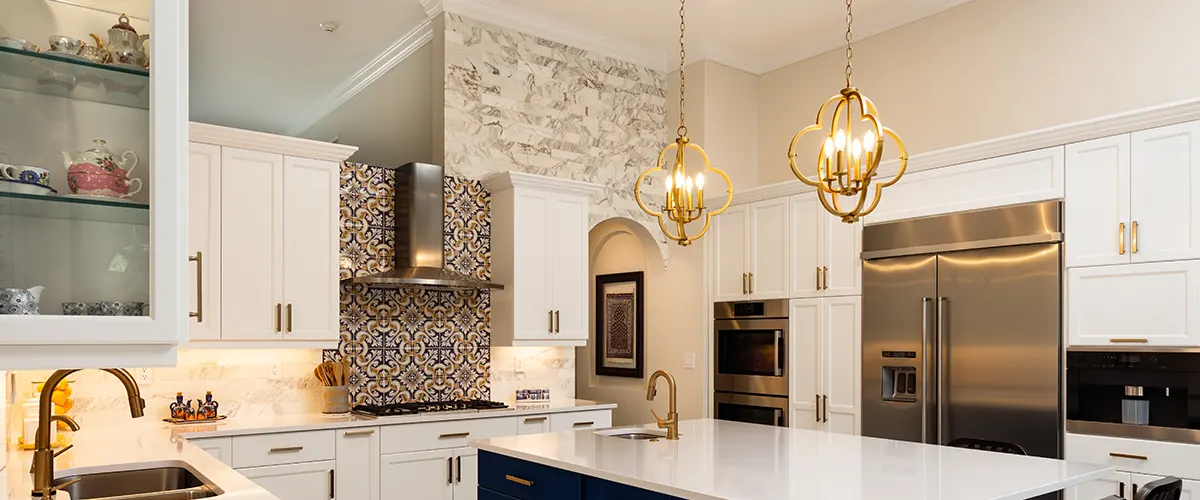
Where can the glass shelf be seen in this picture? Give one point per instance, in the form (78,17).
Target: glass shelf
(61,75)
(96,209)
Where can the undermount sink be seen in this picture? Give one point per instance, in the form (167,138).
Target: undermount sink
(162,483)
(635,434)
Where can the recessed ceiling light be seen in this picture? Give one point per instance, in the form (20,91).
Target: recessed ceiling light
(329,26)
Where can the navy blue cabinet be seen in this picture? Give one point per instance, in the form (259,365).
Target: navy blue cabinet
(507,478)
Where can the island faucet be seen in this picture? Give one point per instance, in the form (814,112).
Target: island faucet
(671,424)
(43,457)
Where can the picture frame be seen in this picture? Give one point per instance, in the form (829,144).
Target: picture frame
(620,318)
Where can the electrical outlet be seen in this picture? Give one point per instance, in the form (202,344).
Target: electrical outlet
(144,376)
(520,365)
(273,371)
(689,360)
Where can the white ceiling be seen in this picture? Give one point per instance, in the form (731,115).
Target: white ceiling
(266,65)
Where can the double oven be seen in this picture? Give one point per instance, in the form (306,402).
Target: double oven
(750,345)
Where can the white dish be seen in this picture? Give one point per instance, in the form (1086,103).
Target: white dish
(102,198)
(8,186)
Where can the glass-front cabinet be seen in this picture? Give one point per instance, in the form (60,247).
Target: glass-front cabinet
(93,169)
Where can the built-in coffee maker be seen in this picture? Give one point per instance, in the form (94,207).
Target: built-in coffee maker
(1138,394)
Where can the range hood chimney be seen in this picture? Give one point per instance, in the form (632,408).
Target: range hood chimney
(420,203)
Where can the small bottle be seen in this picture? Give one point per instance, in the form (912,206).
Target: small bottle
(208,409)
(189,411)
(177,408)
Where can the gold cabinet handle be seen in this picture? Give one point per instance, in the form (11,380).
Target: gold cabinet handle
(1127,455)
(751,282)
(199,260)
(817,402)
(818,277)
(1128,341)
(288,449)
(1121,239)
(515,479)
(1133,240)
(825,403)
(530,420)
(551,313)
(289,317)
(557,321)
(279,317)
(454,435)
(583,424)
(825,278)
(367,432)
(745,287)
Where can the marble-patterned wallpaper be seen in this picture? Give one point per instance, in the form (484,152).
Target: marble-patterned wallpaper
(520,102)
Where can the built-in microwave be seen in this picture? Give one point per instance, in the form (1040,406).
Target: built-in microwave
(750,346)
(1136,393)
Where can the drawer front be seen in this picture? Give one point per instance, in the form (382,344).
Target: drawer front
(527,480)
(1136,455)
(443,435)
(533,424)
(284,448)
(486,494)
(599,488)
(595,419)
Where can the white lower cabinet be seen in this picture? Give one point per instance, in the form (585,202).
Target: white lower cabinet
(535,424)
(357,464)
(304,481)
(466,474)
(825,338)
(430,475)
(597,419)
(221,448)
(1125,485)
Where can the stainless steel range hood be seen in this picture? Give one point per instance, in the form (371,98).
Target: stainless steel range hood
(420,212)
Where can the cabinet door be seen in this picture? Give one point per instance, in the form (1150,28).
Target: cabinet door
(532,268)
(841,252)
(805,236)
(466,474)
(358,464)
(1117,483)
(769,249)
(840,375)
(1165,193)
(1097,202)
(251,243)
(428,475)
(569,256)
(310,249)
(307,481)
(1135,304)
(805,325)
(533,424)
(732,234)
(221,448)
(204,240)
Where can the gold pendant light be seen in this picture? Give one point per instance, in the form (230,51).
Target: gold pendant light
(846,165)
(684,201)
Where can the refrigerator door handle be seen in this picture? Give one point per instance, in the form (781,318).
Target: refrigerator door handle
(925,301)
(941,361)
(778,353)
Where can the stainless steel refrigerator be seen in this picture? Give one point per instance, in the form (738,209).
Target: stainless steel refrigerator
(961,332)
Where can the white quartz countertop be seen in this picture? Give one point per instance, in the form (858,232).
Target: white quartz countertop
(716,459)
(152,443)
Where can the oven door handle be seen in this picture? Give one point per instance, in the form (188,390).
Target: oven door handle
(779,417)
(778,353)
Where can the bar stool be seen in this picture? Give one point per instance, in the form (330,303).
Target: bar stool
(1167,488)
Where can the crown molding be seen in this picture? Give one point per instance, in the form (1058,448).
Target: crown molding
(374,70)
(532,23)
(270,143)
(504,181)
(432,8)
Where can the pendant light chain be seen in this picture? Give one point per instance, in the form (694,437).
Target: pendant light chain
(682,130)
(849,37)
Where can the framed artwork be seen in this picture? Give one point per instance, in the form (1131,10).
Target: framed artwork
(619,320)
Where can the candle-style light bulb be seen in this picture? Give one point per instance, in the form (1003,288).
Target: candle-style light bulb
(678,179)
(857,149)
(869,140)
(839,140)
(700,190)
(668,184)
(700,180)
(689,184)
(828,147)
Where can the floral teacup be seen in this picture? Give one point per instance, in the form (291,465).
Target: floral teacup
(26,174)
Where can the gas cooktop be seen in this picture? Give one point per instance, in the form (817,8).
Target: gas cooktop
(395,409)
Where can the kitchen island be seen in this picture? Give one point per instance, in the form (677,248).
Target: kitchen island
(717,459)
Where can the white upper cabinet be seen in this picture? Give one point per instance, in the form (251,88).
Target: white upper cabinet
(1164,193)
(826,251)
(752,251)
(1097,202)
(1155,304)
(540,255)
(266,221)
(100,279)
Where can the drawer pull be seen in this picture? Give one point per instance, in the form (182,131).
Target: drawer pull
(454,435)
(1128,341)
(360,433)
(522,482)
(288,449)
(584,424)
(1127,455)
(535,419)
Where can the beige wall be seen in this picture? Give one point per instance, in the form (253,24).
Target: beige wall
(992,68)
(674,322)
(730,115)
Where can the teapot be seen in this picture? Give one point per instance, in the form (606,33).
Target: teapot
(125,45)
(98,171)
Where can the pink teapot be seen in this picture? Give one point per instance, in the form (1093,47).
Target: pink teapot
(99,172)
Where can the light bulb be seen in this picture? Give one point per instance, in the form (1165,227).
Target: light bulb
(689,184)
(678,178)
(668,184)
(828,147)
(869,140)
(840,140)
(857,149)
(700,181)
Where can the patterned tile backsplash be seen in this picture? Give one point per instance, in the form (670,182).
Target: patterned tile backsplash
(406,344)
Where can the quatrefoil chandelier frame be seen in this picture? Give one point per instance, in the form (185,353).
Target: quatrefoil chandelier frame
(684,201)
(846,166)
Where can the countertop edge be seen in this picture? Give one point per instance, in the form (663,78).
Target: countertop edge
(1086,478)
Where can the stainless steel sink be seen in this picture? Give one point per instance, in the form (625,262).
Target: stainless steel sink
(163,483)
(634,434)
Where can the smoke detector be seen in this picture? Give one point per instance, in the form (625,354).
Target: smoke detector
(329,26)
